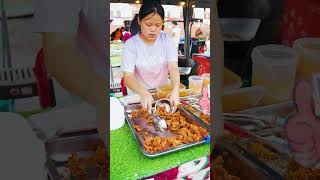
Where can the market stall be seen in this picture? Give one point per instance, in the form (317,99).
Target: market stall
(263,99)
(257,106)
(139,147)
(251,138)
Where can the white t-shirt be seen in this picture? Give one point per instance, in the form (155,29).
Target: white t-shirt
(86,18)
(149,63)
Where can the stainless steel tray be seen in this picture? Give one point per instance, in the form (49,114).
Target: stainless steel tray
(60,148)
(272,166)
(196,115)
(189,118)
(238,164)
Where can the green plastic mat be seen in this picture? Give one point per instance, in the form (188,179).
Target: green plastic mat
(128,162)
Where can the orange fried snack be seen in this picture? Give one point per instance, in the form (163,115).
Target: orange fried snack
(218,171)
(261,152)
(185,131)
(177,123)
(205,118)
(141,113)
(138,128)
(154,144)
(297,172)
(191,109)
(264,154)
(101,159)
(77,166)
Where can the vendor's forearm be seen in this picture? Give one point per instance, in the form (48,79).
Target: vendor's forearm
(71,69)
(174,76)
(134,85)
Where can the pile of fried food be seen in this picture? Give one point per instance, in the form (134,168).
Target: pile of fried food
(78,166)
(191,109)
(297,172)
(142,114)
(204,117)
(264,154)
(184,131)
(294,170)
(219,173)
(261,152)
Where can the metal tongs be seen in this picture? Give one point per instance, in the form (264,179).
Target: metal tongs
(158,121)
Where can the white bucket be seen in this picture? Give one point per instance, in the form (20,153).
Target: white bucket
(274,67)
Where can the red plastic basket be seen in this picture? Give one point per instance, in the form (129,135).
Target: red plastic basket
(298,20)
(203,64)
(44,82)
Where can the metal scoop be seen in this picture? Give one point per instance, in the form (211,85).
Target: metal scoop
(159,122)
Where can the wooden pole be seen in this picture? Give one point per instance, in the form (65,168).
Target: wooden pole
(217,57)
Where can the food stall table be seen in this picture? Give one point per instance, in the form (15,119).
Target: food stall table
(128,162)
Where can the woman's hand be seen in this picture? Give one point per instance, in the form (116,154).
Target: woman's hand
(174,98)
(146,100)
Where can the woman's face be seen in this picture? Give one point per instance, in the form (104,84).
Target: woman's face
(151,26)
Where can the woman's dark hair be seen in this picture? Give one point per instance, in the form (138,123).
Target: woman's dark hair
(134,26)
(151,7)
(147,7)
(126,28)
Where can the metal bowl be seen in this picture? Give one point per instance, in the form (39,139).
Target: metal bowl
(239,29)
(164,103)
(185,70)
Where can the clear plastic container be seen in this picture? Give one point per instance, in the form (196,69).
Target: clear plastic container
(308,50)
(185,92)
(274,67)
(242,98)
(195,84)
(206,79)
(165,90)
(230,80)
(182,93)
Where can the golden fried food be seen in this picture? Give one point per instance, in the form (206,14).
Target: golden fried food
(264,154)
(101,159)
(298,172)
(138,128)
(141,113)
(77,166)
(205,118)
(261,152)
(164,91)
(154,144)
(191,109)
(185,131)
(218,172)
